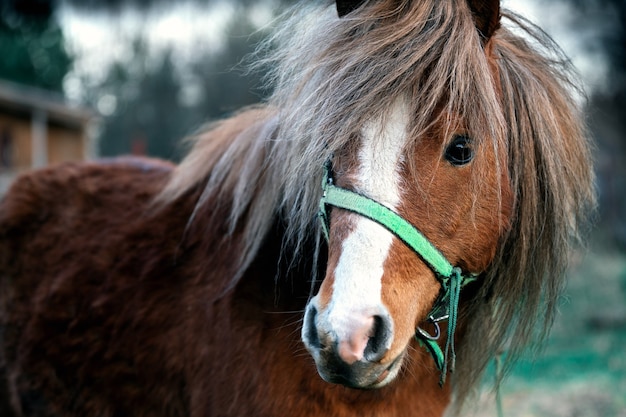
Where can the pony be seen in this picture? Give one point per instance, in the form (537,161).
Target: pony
(363,243)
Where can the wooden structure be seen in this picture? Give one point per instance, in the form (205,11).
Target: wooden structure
(39,128)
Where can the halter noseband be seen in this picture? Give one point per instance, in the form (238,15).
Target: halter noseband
(451,278)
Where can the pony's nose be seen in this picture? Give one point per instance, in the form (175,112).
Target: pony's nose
(354,338)
(369,340)
(352,348)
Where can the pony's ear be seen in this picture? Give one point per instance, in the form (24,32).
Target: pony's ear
(486,16)
(346,6)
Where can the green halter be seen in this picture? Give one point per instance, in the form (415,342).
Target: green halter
(451,278)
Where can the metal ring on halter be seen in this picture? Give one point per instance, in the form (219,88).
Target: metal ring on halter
(434,322)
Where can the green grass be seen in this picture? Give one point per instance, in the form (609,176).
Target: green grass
(581,372)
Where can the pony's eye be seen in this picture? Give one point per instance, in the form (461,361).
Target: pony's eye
(460,151)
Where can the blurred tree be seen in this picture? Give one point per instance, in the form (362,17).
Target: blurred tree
(607,20)
(223,83)
(140,102)
(144,97)
(32,44)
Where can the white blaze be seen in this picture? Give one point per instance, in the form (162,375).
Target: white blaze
(358,274)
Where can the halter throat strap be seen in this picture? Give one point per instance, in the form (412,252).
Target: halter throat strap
(451,278)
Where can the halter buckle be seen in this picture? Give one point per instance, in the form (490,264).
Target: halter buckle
(435,322)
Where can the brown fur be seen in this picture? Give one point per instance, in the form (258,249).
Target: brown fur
(136,288)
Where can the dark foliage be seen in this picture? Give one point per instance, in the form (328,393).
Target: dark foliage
(32,44)
(607,19)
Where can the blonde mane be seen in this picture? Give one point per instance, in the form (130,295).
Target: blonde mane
(330,75)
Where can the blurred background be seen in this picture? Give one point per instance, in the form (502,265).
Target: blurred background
(81,79)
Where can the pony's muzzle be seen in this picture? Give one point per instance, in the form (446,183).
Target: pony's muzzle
(348,348)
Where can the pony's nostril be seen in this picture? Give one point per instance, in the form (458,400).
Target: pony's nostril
(378,343)
(312,338)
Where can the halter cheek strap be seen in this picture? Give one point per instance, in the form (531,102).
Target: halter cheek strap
(451,278)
